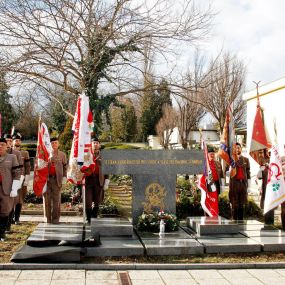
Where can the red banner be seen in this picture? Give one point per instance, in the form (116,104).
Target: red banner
(209,194)
(260,139)
(41,162)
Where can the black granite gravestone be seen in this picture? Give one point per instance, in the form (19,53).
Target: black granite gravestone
(154,175)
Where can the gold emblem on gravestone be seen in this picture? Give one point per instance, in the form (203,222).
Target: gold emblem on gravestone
(154,197)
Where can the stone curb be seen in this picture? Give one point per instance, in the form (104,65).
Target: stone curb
(141,266)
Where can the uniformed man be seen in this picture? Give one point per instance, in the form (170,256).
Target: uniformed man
(239,184)
(95,183)
(9,185)
(57,176)
(10,150)
(19,200)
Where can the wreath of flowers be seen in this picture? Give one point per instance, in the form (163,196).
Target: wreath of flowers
(149,222)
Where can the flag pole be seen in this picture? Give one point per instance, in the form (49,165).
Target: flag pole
(257,92)
(84,200)
(0,125)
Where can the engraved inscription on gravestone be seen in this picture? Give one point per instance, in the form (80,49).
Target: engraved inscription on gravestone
(153,173)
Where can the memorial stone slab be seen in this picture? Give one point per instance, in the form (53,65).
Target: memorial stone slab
(111,227)
(170,246)
(56,232)
(117,246)
(47,254)
(275,244)
(180,234)
(264,233)
(213,225)
(154,175)
(229,245)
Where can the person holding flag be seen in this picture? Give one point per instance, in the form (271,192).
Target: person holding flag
(275,189)
(263,174)
(216,168)
(239,167)
(207,185)
(259,151)
(239,184)
(57,166)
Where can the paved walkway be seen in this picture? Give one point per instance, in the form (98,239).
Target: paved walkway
(143,277)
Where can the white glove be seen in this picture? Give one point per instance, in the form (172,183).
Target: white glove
(27,179)
(106,184)
(64,180)
(15,186)
(22,177)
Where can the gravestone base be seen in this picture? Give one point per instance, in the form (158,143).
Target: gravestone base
(212,226)
(110,227)
(171,243)
(116,236)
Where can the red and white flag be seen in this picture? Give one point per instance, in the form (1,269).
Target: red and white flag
(41,162)
(275,189)
(81,158)
(226,151)
(260,139)
(209,194)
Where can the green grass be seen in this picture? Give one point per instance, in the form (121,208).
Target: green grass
(15,240)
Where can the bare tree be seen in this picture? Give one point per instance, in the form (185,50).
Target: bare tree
(166,124)
(189,115)
(92,45)
(224,86)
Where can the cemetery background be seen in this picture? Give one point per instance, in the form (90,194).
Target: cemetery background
(118,203)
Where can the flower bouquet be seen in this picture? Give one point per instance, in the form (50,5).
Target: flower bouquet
(149,222)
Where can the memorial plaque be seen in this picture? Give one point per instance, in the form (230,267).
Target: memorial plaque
(154,175)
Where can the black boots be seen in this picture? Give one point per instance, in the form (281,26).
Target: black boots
(95,212)
(92,213)
(88,215)
(10,221)
(3,225)
(238,213)
(18,209)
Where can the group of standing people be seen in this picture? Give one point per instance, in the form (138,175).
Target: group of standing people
(15,170)
(238,183)
(95,183)
(14,176)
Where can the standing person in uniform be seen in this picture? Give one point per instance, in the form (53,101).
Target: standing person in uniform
(239,184)
(95,183)
(9,185)
(26,173)
(57,176)
(10,150)
(216,168)
(263,170)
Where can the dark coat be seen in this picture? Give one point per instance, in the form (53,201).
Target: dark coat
(241,196)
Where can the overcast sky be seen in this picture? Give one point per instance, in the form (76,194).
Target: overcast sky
(255,31)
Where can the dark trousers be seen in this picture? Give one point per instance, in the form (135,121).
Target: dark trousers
(283,215)
(94,195)
(52,201)
(238,198)
(238,213)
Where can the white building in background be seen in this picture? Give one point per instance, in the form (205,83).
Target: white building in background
(209,133)
(272,100)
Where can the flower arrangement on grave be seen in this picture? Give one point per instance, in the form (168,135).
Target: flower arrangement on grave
(150,222)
